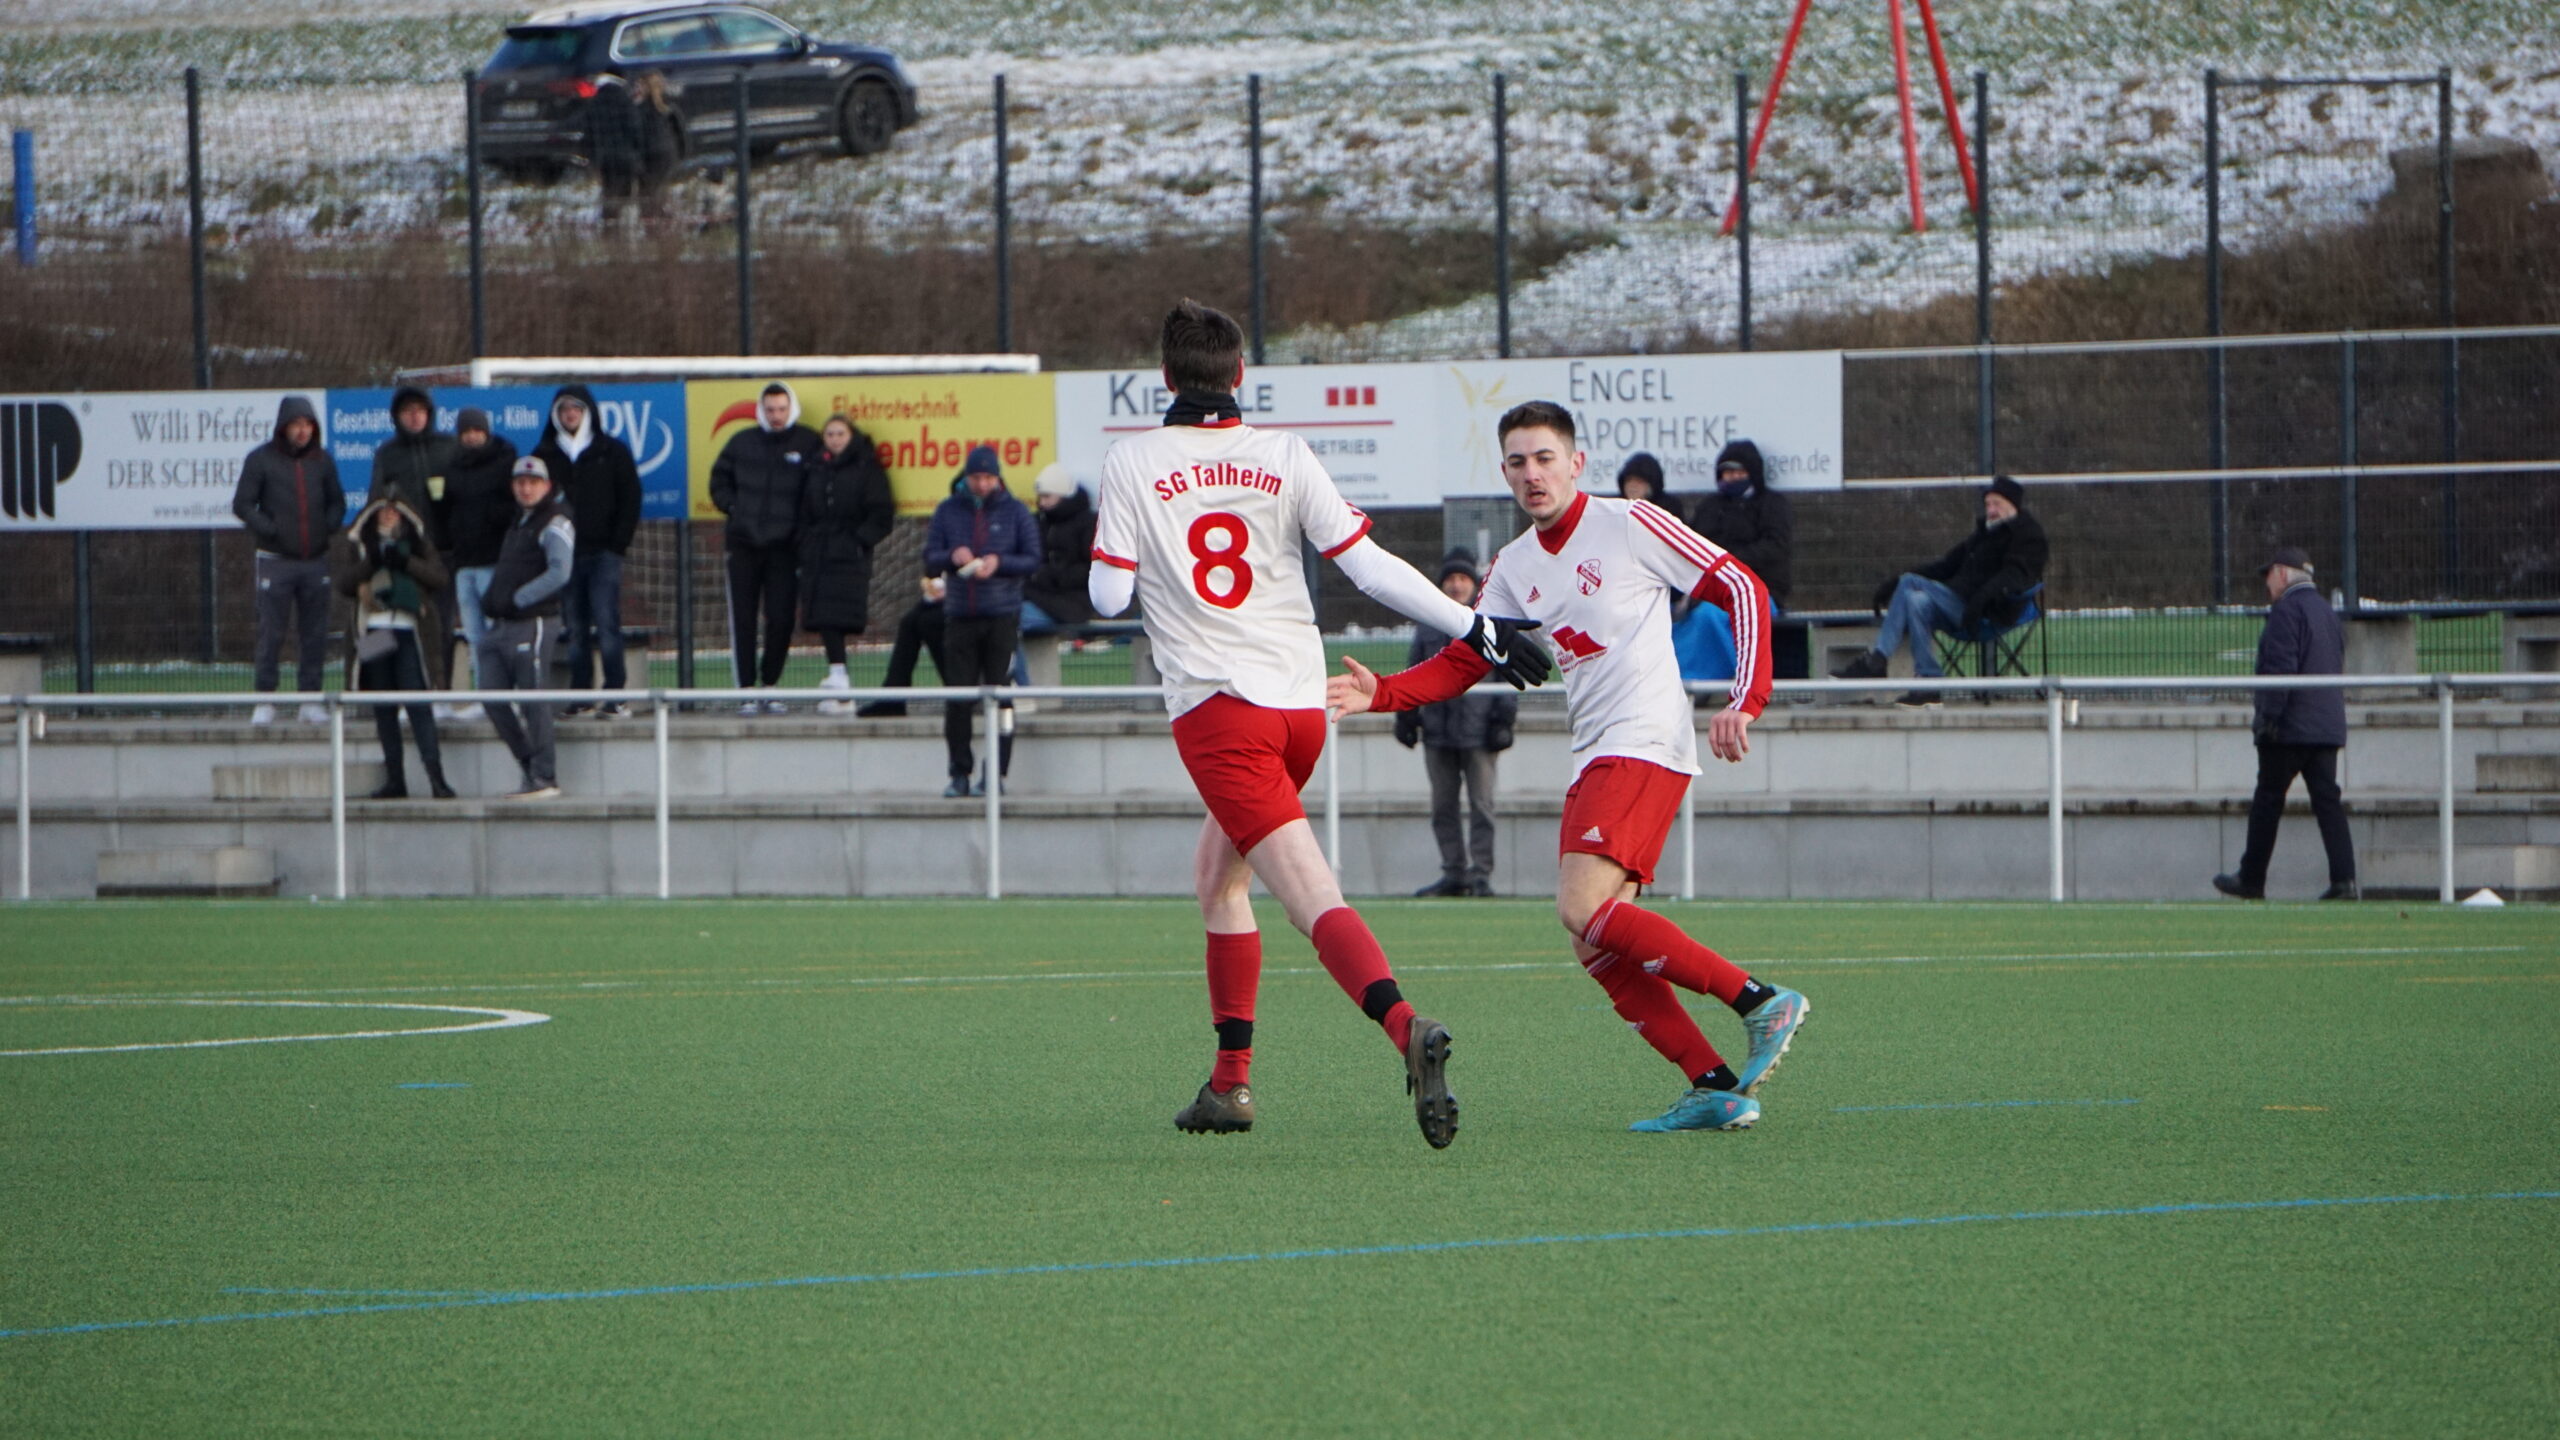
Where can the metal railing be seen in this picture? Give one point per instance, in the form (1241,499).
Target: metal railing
(2057,693)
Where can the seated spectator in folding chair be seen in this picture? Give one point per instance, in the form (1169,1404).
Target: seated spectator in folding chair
(1756,526)
(1991,575)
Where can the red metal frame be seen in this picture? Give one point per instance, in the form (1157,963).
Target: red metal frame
(1902,91)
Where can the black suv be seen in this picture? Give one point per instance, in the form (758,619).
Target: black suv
(533,93)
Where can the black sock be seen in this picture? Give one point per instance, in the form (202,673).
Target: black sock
(1720,1078)
(1753,995)
(1380,998)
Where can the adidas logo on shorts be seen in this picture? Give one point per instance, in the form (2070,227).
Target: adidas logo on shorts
(1592,834)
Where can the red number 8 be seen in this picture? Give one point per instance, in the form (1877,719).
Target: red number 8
(1228,557)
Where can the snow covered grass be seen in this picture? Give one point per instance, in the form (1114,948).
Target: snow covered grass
(1130,119)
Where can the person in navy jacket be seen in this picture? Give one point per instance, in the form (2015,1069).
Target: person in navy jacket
(986,543)
(2299,731)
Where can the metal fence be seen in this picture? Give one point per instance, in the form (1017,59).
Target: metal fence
(2059,697)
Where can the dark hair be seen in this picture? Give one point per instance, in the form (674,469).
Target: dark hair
(1536,413)
(776,388)
(1202,347)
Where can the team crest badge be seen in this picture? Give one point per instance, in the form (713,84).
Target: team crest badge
(1589,570)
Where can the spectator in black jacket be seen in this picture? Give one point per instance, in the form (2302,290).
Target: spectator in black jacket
(981,537)
(1748,519)
(1641,479)
(1460,739)
(1985,577)
(847,511)
(291,503)
(2299,731)
(661,142)
(534,565)
(758,482)
(594,474)
(474,516)
(1054,594)
(413,465)
(385,566)
(614,137)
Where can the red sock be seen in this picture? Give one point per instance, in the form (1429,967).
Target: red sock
(1235,974)
(1664,949)
(1645,1001)
(1350,954)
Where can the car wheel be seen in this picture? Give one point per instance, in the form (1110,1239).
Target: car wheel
(869,120)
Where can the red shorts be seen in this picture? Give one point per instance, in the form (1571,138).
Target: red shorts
(1621,809)
(1250,763)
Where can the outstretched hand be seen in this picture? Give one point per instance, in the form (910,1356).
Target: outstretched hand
(1350,693)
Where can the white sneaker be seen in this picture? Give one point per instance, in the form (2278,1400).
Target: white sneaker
(263,715)
(749,708)
(315,714)
(836,680)
(468,713)
(776,707)
(440,710)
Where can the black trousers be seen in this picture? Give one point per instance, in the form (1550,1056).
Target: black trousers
(976,650)
(405,668)
(2318,767)
(766,578)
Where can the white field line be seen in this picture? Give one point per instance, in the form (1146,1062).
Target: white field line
(871,982)
(499,1020)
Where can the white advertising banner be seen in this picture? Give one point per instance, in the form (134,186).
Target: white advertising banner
(151,460)
(1416,434)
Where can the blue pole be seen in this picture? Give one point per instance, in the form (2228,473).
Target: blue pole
(22,150)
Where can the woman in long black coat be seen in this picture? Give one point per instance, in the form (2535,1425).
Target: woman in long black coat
(846,510)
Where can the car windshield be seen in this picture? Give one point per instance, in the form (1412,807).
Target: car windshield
(527,48)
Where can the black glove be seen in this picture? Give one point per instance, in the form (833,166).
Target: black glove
(1884,592)
(1408,728)
(1505,645)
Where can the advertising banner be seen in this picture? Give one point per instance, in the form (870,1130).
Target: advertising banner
(150,460)
(924,426)
(1416,434)
(648,418)
(1375,427)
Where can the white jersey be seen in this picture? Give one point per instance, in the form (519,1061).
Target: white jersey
(1600,585)
(1215,520)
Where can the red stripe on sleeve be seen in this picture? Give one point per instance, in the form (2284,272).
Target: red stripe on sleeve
(1684,541)
(1110,559)
(1356,536)
(1452,672)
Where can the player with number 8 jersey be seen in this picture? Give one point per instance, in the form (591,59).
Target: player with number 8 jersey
(1207,520)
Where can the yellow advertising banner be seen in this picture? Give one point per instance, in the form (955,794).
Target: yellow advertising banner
(924,426)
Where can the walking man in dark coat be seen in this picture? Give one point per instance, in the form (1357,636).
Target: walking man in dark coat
(2299,731)
(1460,739)
(1986,576)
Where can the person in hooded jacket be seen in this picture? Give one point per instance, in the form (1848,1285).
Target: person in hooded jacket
(614,137)
(758,483)
(1054,595)
(1748,520)
(473,516)
(414,464)
(291,503)
(385,564)
(847,511)
(598,480)
(984,540)
(1986,576)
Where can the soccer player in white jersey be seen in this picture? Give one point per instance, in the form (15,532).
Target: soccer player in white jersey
(1600,575)
(1206,520)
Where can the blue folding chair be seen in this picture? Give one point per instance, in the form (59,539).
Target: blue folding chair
(2000,649)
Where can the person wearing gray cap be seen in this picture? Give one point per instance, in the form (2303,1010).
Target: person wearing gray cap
(2299,731)
(523,605)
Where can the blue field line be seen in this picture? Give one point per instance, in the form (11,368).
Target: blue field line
(404,1294)
(432,1085)
(470,1300)
(1974,1105)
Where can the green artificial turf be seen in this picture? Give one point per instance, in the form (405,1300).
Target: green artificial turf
(963,1093)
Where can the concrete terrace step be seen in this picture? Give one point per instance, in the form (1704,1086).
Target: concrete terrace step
(291,781)
(2517,872)
(2540,773)
(223,870)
